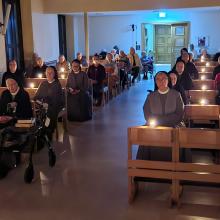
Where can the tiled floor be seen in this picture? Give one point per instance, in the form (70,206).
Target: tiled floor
(89,181)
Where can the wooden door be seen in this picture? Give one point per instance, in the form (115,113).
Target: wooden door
(163,43)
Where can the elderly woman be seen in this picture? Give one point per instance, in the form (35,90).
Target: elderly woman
(15,100)
(166,108)
(79,106)
(50,92)
(13,73)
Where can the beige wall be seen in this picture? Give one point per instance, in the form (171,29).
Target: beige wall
(69,6)
(70,37)
(27,31)
(2,45)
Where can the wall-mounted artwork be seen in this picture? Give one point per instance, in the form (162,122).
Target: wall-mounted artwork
(203,41)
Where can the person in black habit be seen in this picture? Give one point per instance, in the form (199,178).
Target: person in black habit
(40,68)
(15,101)
(14,73)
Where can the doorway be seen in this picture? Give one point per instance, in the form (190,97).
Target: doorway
(165,40)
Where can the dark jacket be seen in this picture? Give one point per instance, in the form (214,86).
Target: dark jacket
(23,109)
(36,70)
(190,68)
(97,73)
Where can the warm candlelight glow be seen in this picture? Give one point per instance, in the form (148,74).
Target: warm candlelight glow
(40,75)
(203,77)
(152,122)
(203,101)
(203,70)
(62,76)
(207,64)
(31,85)
(202,58)
(204,87)
(62,69)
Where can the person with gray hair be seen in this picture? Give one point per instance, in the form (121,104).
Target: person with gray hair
(15,101)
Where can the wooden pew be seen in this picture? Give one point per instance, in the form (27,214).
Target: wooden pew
(195,96)
(204,63)
(205,68)
(199,84)
(154,137)
(196,172)
(202,113)
(29,82)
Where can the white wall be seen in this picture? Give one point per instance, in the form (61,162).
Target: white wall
(107,31)
(2,46)
(46,37)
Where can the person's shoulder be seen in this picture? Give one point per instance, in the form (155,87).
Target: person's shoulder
(174,92)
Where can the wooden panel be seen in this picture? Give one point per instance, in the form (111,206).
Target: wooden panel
(200,112)
(211,63)
(205,68)
(196,95)
(151,173)
(209,84)
(37,81)
(144,135)
(196,167)
(199,138)
(159,165)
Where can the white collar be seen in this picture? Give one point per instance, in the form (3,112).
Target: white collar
(51,81)
(165,92)
(15,93)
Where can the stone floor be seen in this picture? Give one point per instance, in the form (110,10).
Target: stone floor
(89,181)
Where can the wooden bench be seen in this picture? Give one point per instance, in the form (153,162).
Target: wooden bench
(202,113)
(178,172)
(35,82)
(196,172)
(207,84)
(195,96)
(205,75)
(205,68)
(204,63)
(154,137)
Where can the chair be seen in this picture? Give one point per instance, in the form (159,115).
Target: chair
(154,137)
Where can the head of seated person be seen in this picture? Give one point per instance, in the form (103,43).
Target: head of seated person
(183,50)
(15,101)
(185,57)
(12,66)
(51,74)
(180,66)
(95,60)
(165,106)
(76,68)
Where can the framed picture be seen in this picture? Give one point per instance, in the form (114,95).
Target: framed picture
(179,31)
(203,41)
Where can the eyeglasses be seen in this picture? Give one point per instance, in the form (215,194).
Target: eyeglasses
(161,79)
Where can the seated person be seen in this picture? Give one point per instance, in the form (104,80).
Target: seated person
(135,64)
(122,73)
(96,73)
(177,87)
(204,55)
(81,59)
(13,73)
(15,101)
(50,92)
(63,66)
(79,106)
(190,67)
(183,78)
(193,51)
(40,68)
(147,64)
(166,107)
(216,69)
(182,51)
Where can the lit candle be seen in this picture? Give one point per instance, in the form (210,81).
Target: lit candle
(207,64)
(40,75)
(202,58)
(203,101)
(204,87)
(62,69)
(202,77)
(31,85)
(152,123)
(203,70)
(62,76)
